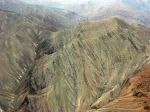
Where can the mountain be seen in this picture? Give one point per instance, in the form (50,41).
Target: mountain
(133,11)
(134,96)
(139,4)
(70,68)
(54,60)
(22,27)
(123,11)
(88,67)
(50,16)
(19,36)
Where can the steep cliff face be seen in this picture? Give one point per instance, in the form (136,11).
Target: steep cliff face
(85,68)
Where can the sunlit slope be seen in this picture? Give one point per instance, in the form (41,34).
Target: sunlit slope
(134,97)
(87,68)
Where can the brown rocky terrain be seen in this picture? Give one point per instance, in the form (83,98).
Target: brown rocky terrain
(48,66)
(88,67)
(18,38)
(135,95)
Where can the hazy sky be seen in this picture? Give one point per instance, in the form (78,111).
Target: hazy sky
(78,1)
(60,1)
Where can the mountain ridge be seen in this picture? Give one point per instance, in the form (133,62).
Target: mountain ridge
(54,60)
(113,8)
(74,81)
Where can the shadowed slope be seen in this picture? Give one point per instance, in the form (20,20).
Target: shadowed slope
(19,36)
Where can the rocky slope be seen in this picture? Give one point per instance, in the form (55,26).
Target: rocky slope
(135,95)
(87,68)
(19,36)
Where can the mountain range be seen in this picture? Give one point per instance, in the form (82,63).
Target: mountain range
(135,11)
(86,57)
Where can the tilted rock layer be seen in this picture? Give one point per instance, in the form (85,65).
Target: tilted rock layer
(78,69)
(19,36)
(90,65)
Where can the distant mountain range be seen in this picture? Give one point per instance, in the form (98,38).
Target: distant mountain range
(136,11)
(50,15)
(139,4)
